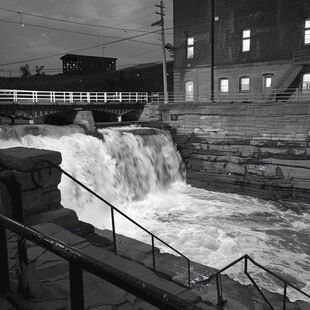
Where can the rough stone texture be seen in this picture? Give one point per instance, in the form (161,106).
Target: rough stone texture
(49,278)
(39,192)
(49,282)
(85,119)
(258,149)
(150,113)
(23,159)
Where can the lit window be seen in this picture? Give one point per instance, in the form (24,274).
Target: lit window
(224,85)
(246,35)
(189,91)
(244,84)
(190,48)
(268,80)
(307,31)
(306,82)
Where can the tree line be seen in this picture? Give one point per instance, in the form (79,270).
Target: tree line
(25,70)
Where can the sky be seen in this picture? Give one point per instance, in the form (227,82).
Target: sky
(38,33)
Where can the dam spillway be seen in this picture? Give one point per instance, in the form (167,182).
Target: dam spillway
(140,171)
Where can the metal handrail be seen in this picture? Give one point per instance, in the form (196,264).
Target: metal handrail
(246,258)
(54,97)
(113,208)
(271,95)
(79,261)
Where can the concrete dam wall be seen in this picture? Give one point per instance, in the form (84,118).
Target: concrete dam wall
(258,149)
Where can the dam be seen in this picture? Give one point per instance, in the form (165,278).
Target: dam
(140,171)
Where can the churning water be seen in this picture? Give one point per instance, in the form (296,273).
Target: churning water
(141,173)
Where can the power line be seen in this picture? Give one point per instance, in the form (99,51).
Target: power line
(72,22)
(77,32)
(81,49)
(146,53)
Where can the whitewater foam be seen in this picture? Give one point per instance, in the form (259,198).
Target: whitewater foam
(142,174)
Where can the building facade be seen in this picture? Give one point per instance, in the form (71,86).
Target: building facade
(261,49)
(81,64)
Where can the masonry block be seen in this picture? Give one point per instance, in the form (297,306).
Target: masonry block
(38,187)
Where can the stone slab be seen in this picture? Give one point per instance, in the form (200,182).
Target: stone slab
(24,159)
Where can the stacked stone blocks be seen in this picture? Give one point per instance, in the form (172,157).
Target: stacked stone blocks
(39,192)
(260,149)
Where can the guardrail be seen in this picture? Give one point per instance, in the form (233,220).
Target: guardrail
(247,258)
(290,94)
(68,97)
(79,261)
(114,209)
(34,96)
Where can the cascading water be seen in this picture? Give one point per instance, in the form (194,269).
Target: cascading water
(140,172)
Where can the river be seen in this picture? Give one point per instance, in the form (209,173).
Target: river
(141,173)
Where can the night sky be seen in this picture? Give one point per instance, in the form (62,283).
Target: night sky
(38,37)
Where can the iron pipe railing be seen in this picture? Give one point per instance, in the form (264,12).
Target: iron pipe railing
(113,208)
(79,261)
(246,258)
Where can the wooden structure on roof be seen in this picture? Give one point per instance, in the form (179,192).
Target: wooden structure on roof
(80,64)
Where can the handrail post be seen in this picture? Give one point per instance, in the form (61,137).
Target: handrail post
(284,296)
(15,95)
(14,189)
(219,290)
(153,253)
(113,230)
(4,262)
(189,272)
(76,286)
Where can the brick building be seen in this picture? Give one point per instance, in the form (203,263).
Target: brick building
(81,64)
(261,47)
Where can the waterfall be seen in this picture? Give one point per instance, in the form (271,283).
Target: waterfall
(122,165)
(140,172)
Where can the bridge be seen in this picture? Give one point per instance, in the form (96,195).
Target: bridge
(31,105)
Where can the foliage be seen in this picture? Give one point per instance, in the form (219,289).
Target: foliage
(39,70)
(25,70)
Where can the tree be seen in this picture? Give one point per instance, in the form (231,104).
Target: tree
(25,70)
(39,70)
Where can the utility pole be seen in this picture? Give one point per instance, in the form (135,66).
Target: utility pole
(212,50)
(161,23)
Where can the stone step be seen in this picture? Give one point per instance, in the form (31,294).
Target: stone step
(49,278)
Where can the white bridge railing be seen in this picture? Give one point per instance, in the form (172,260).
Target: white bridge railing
(68,97)
(31,96)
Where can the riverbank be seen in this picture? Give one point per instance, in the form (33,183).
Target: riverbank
(49,277)
(51,198)
(257,149)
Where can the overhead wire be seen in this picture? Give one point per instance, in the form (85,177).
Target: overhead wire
(81,49)
(77,32)
(73,22)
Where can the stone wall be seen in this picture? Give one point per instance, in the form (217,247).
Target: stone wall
(28,182)
(258,149)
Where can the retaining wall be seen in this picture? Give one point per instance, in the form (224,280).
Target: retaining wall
(258,149)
